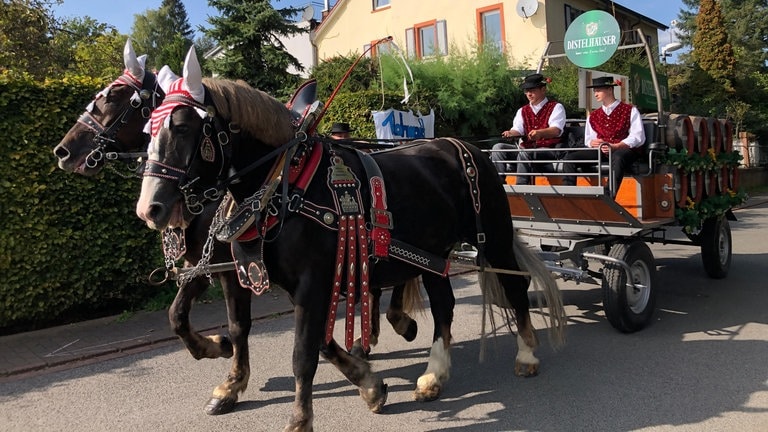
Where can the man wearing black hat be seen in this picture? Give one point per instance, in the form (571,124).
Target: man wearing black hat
(340,131)
(539,125)
(616,128)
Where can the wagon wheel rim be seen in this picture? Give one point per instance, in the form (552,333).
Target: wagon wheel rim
(723,245)
(639,293)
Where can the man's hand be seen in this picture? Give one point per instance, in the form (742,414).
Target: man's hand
(509,134)
(535,135)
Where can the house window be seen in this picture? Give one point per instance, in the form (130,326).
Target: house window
(383,48)
(571,13)
(427,39)
(490,26)
(378,4)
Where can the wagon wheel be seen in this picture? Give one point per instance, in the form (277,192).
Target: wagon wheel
(629,309)
(716,246)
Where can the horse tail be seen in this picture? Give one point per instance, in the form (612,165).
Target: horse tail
(412,298)
(544,283)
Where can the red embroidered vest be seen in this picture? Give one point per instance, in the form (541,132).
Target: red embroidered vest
(540,120)
(612,128)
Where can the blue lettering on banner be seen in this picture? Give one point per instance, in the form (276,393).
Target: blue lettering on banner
(401,129)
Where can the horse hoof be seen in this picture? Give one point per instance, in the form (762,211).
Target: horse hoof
(427,395)
(218,406)
(413,330)
(428,387)
(526,370)
(376,403)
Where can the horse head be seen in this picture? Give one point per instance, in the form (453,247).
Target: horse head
(113,122)
(203,133)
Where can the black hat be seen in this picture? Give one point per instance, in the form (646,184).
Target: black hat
(604,81)
(340,128)
(533,81)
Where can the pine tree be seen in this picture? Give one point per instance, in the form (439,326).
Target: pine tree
(711,49)
(250,32)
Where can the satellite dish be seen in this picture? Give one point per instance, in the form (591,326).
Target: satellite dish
(526,8)
(308,13)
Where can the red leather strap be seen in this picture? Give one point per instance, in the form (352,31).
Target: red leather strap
(365,297)
(351,270)
(381,219)
(337,276)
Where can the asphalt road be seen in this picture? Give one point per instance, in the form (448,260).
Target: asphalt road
(701,366)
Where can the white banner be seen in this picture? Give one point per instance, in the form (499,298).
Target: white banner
(394,124)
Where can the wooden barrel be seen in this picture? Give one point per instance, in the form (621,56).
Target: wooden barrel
(679,133)
(701,125)
(716,135)
(696,186)
(727,129)
(712,183)
(729,179)
(682,184)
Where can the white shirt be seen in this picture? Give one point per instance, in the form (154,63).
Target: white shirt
(636,136)
(557,118)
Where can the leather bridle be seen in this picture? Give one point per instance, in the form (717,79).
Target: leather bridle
(146,97)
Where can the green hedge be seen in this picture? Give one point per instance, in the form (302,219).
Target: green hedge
(70,247)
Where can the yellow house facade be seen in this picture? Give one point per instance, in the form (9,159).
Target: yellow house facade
(428,28)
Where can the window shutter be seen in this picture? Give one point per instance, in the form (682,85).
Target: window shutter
(410,42)
(442,37)
(366,50)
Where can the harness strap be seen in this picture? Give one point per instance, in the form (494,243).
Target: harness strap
(419,258)
(381,219)
(338,272)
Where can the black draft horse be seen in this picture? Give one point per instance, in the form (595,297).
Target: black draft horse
(439,192)
(111,129)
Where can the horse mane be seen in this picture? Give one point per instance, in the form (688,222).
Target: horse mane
(257,113)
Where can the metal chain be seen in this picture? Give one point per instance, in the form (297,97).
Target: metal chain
(202,267)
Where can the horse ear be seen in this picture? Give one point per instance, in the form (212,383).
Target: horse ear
(134,65)
(193,76)
(165,78)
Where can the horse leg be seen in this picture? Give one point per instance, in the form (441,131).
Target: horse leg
(178,315)
(515,288)
(238,301)
(441,299)
(372,389)
(309,326)
(403,324)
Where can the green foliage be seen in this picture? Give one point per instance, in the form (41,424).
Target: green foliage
(24,27)
(330,72)
(711,49)
(473,94)
(714,81)
(69,246)
(251,31)
(164,34)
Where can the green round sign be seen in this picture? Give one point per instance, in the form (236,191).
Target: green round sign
(592,38)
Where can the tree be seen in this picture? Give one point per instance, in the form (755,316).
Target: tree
(83,46)
(711,49)
(24,36)
(250,32)
(164,34)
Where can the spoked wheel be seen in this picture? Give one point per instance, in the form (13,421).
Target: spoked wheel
(629,308)
(716,246)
